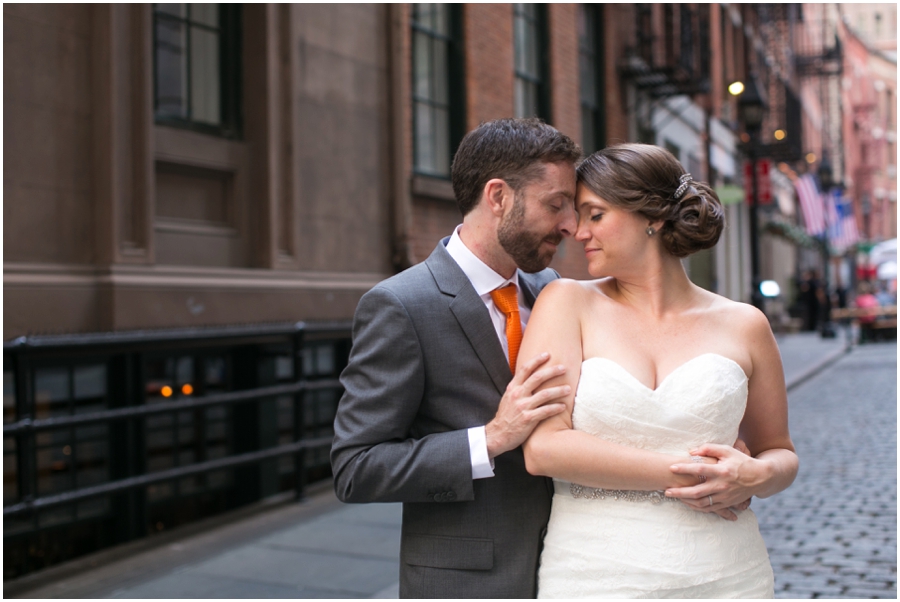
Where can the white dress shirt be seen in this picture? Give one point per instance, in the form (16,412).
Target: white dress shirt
(485,280)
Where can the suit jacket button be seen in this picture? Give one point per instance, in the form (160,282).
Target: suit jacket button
(451,496)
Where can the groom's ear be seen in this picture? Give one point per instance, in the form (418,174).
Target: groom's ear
(498,196)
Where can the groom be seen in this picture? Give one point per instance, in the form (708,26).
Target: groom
(432,415)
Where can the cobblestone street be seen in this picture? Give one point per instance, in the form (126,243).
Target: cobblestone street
(833,534)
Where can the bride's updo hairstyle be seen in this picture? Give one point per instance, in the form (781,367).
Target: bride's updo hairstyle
(645,179)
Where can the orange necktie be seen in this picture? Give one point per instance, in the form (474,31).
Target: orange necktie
(507,300)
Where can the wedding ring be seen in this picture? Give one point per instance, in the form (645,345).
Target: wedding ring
(709,497)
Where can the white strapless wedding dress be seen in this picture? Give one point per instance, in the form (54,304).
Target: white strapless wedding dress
(627,545)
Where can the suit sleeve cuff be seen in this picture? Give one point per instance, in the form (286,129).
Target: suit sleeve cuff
(482,465)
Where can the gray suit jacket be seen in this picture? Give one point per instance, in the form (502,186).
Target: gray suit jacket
(425,366)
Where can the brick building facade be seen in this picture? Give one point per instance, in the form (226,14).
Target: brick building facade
(869,98)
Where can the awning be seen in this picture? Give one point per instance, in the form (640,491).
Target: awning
(884,251)
(730,194)
(887,270)
(795,234)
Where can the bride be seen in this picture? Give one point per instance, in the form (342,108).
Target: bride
(649,492)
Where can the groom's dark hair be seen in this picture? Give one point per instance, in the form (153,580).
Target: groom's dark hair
(513,150)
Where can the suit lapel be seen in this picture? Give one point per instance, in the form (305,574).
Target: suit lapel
(530,288)
(471,314)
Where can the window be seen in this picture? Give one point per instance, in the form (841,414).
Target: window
(10,444)
(673,148)
(590,63)
(704,35)
(77,457)
(669,34)
(196,69)
(191,436)
(644,32)
(686,39)
(529,25)
(438,119)
(889,109)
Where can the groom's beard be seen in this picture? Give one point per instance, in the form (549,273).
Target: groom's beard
(523,245)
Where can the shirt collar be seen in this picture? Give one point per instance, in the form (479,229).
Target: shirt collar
(483,278)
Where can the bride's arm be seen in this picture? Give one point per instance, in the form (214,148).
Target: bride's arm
(554,449)
(772,464)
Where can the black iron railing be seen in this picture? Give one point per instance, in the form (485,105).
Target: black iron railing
(110,437)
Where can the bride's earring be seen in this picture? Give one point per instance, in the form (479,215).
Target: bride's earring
(650,231)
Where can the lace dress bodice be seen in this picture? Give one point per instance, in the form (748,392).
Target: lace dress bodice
(687,409)
(616,547)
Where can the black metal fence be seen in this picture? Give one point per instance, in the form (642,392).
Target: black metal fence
(110,437)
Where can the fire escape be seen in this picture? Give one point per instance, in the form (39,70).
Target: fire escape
(783,128)
(818,59)
(675,63)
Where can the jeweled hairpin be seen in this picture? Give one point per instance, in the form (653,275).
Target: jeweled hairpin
(685,183)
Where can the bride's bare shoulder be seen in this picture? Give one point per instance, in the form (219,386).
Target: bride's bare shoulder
(572,290)
(735,314)
(575,297)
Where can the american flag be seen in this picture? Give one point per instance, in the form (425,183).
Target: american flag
(811,204)
(843,232)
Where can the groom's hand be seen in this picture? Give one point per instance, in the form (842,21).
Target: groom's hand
(522,408)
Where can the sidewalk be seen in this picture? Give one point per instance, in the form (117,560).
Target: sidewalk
(318,548)
(805,354)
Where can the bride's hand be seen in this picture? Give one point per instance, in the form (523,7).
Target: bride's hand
(729,483)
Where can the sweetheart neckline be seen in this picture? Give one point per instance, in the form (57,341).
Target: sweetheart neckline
(663,381)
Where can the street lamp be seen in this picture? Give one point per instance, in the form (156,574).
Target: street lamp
(751,106)
(826,177)
(751,110)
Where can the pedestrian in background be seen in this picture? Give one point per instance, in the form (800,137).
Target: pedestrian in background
(810,298)
(884,296)
(866,300)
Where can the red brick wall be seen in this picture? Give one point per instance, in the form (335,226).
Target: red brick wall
(434,219)
(488,39)
(716,60)
(618,32)
(565,107)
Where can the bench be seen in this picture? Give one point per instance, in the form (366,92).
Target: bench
(883,326)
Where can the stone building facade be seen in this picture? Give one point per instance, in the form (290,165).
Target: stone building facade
(115,220)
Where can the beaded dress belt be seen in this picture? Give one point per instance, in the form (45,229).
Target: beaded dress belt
(580,491)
